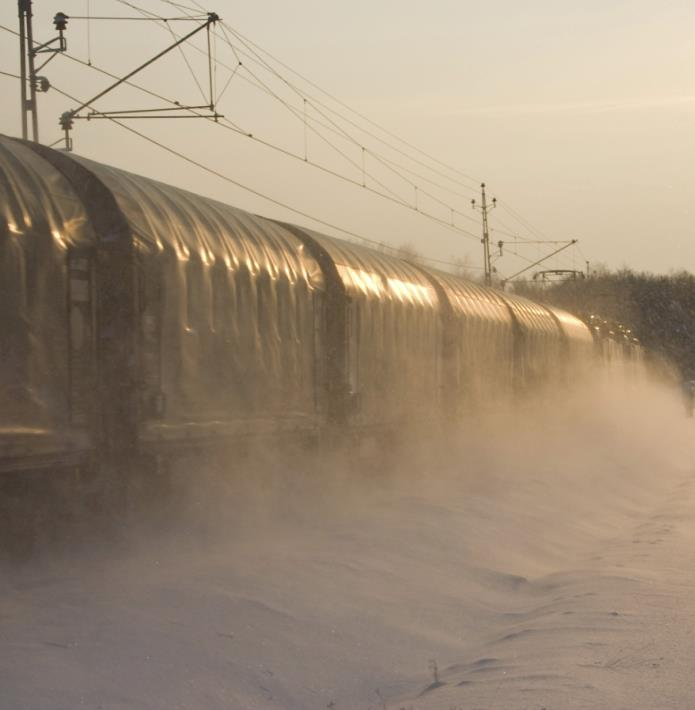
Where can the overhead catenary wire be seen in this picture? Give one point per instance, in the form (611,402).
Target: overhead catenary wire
(188,64)
(183,7)
(259,83)
(341,131)
(228,82)
(329,123)
(263,63)
(519,218)
(338,131)
(515,215)
(246,188)
(89,32)
(131,84)
(241,132)
(301,115)
(287,206)
(250,44)
(353,111)
(382,159)
(388,193)
(386,131)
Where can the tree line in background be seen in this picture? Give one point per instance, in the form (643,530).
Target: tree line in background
(659,310)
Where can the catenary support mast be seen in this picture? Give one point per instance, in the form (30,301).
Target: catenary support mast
(24,8)
(484,209)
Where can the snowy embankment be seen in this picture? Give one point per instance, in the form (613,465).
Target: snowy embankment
(547,561)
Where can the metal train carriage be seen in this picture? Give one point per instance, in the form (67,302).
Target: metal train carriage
(137,318)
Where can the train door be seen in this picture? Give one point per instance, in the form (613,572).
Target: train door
(319,351)
(352,355)
(81,339)
(150,335)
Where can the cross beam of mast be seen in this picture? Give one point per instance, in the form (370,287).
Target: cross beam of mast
(540,261)
(67,118)
(212,18)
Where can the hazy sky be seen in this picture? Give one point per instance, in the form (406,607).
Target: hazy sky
(578,115)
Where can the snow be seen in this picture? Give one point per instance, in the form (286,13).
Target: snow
(546,560)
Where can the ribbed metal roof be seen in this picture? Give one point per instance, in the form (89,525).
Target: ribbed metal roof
(370,273)
(574,328)
(35,197)
(168,218)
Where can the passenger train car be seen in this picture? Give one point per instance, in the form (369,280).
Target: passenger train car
(137,319)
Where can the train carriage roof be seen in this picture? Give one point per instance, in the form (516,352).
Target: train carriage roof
(470,300)
(166,218)
(532,317)
(375,275)
(574,328)
(35,197)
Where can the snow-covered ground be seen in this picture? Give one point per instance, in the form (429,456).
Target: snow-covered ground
(546,561)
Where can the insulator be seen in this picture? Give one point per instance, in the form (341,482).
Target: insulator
(61,21)
(66,121)
(41,83)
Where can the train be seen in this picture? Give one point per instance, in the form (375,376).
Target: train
(139,320)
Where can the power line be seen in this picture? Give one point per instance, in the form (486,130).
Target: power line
(273,146)
(132,84)
(522,220)
(251,45)
(351,110)
(253,191)
(393,197)
(247,42)
(254,56)
(513,212)
(338,130)
(188,64)
(182,7)
(333,127)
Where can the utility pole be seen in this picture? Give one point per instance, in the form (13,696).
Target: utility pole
(32,83)
(27,64)
(24,8)
(485,241)
(32,72)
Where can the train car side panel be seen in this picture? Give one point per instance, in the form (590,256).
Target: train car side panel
(393,336)
(227,308)
(46,316)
